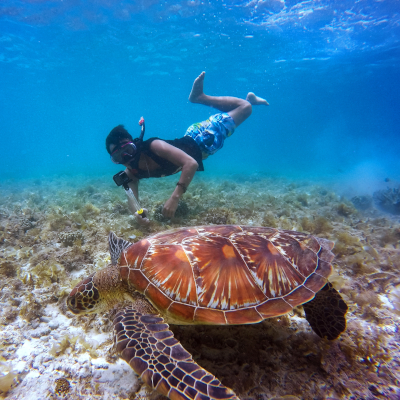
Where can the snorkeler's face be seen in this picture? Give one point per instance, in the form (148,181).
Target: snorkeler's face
(123,153)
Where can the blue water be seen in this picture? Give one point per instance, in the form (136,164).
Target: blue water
(72,70)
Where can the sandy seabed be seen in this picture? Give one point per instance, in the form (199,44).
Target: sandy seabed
(53,233)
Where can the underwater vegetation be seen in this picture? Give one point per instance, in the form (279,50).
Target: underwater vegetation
(388,200)
(54,233)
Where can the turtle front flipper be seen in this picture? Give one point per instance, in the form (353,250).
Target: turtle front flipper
(326,313)
(145,342)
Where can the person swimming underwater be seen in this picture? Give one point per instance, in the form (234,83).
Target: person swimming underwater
(155,157)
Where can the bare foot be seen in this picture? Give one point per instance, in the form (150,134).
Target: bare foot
(255,100)
(197,90)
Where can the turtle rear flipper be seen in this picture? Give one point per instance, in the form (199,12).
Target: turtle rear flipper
(326,313)
(145,342)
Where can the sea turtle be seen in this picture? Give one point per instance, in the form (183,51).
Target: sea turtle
(218,275)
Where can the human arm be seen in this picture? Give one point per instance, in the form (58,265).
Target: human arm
(142,219)
(189,166)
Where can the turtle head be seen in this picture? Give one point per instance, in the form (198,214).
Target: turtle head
(96,293)
(84,297)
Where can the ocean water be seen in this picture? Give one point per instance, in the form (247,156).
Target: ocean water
(71,71)
(322,159)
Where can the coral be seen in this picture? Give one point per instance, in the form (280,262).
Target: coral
(119,207)
(58,220)
(31,308)
(46,273)
(9,314)
(26,224)
(76,257)
(59,347)
(77,218)
(217,216)
(388,200)
(62,344)
(89,210)
(62,386)
(69,238)
(362,202)
(256,361)
(8,268)
(181,212)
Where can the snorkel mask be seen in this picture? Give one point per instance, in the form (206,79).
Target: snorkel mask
(125,153)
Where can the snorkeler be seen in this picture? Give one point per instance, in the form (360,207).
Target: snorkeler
(155,158)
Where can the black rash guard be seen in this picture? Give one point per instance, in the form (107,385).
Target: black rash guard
(165,167)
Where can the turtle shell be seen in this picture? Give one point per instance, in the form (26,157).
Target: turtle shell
(227,274)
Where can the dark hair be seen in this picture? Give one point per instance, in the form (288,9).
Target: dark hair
(116,135)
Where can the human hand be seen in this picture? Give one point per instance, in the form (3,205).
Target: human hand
(142,219)
(170,207)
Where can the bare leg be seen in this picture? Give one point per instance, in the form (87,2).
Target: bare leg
(238,109)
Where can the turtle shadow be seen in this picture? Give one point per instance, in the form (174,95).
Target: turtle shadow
(254,360)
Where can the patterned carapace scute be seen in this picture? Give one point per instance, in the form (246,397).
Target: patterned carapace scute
(227,274)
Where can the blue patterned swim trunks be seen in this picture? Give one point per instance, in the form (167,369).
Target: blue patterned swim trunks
(210,134)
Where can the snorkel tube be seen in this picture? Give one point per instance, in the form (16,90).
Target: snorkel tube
(141,123)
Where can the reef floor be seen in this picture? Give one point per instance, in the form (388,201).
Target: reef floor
(53,233)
